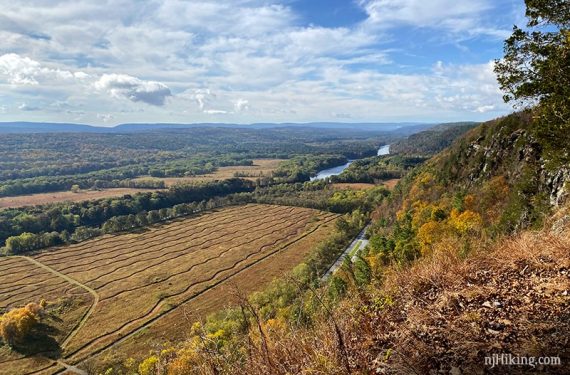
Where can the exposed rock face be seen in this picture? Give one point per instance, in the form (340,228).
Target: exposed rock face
(558,184)
(509,147)
(520,151)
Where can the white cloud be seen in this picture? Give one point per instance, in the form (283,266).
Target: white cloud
(201,97)
(463,18)
(252,60)
(134,89)
(215,112)
(105,117)
(421,12)
(20,70)
(485,108)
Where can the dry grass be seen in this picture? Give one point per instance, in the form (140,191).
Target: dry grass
(391,184)
(451,313)
(143,278)
(22,282)
(352,186)
(65,196)
(443,315)
(260,168)
(176,326)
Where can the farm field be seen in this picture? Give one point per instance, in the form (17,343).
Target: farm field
(23,281)
(389,184)
(63,196)
(352,186)
(260,168)
(152,277)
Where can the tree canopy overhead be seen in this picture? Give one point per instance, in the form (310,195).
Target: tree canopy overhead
(535,70)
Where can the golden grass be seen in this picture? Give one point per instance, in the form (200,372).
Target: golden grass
(65,196)
(444,314)
(260,168)
(22,282)
(142,278)
(352,186)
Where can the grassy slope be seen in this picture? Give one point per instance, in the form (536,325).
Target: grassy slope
(479,288)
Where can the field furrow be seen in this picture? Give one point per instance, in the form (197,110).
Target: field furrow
(160,244)
(173,255)
(114,287)
(109,242)
(155,312)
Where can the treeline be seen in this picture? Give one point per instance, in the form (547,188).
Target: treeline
(319,195)
(432,141)
(26,156)
(27,242)
(379,168)
(57,223)
(31,228)
(302,168)
(120,177)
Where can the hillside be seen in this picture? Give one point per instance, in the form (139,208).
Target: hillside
(22,127)
(430,142)
(427,295)
(505,151)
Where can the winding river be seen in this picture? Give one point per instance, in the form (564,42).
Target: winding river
(325,173)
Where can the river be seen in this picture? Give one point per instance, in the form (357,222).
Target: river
(325,173)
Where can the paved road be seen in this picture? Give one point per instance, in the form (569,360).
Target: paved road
(359,240)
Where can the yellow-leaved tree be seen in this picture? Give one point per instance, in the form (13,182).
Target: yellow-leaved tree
(17,324)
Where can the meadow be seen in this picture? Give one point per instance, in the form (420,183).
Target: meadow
(259,168)
(132,282)
(65,196)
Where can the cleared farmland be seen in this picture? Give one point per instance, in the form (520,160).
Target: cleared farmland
(140,280)
(260,168)
(23,281)
(65,196)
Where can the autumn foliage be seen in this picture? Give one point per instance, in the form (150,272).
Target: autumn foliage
(17,324)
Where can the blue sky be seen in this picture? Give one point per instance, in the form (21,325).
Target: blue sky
(243,61)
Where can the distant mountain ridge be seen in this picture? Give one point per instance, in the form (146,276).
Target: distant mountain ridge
(404,128)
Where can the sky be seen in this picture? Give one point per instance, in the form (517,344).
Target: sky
(107,62)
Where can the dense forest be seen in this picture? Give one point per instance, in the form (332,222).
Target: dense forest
(31,228)
(36,163)
(430,142)
(378,168)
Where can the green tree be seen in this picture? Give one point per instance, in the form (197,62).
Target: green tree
(536,69)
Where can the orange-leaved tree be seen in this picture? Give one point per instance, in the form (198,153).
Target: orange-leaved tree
(17,324)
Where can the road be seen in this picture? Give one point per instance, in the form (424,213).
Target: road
(360,241)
